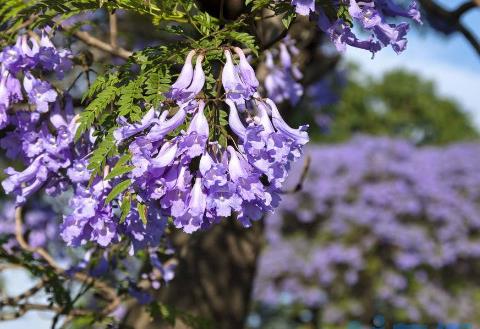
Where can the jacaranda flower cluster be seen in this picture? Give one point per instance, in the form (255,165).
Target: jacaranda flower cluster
(192,178)
(178,170)
(370,16)
(281,83)
(383,221)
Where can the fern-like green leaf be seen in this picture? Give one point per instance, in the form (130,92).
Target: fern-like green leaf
(95,108)
(99,155)
(119,188)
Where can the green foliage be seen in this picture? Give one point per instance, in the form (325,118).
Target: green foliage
(125,207)
(95,108)
(142,211)
(119,188)
(99,156)
(130,93)
(120,168)
(156,84)
(399,104)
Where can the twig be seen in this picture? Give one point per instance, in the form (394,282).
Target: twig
(26,307)
(453,18)
(99,44)
(113,29)
(12,301)
(109,293)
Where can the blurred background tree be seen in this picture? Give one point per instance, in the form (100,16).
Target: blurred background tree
(399,104)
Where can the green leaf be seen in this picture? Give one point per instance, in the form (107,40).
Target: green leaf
(125,207)
(128,95)
(246,39)
(95,108)
(99,156)
(142,211)
(223,117)
(156,85)
(288,18)
(120,168)
(119,188)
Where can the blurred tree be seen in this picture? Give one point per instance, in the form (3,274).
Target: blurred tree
(399,104)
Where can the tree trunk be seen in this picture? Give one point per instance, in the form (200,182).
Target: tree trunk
(214,278)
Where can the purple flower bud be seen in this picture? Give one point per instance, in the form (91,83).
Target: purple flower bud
(230,79)
(165,156)
(285,57)
(300,136)
(162,128)
(128,130)
(198,79)
(234,120)
(26,49)
(16,179)
(262,117)
(185,77)
(197,199)
(199,123)
(245,69)
(206,163)
(235,168)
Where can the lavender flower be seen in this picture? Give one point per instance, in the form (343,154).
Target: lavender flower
(282,81)
(39,92)
(377,201)
(191,178)
(371,15)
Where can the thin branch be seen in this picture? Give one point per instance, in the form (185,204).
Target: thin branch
(109,293)
(26,307)
(99,44)
(453,18)
(113,29)
(470,38)
(463,8)
(12,301)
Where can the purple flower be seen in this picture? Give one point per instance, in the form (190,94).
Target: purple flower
(372,18)
(246,71)
(184,79)
(192,219)
(194,141)
(231,81)
(371,200)
(39,93)
(300,136)
(234,120)
(25,183)
(281,82)
(163,126)
(184,93)
(127,130)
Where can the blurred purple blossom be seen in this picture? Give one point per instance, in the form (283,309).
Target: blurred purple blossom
(384,217)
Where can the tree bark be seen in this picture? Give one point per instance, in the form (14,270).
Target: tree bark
(214,278)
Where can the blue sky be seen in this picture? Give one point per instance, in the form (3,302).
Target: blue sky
(450,61)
